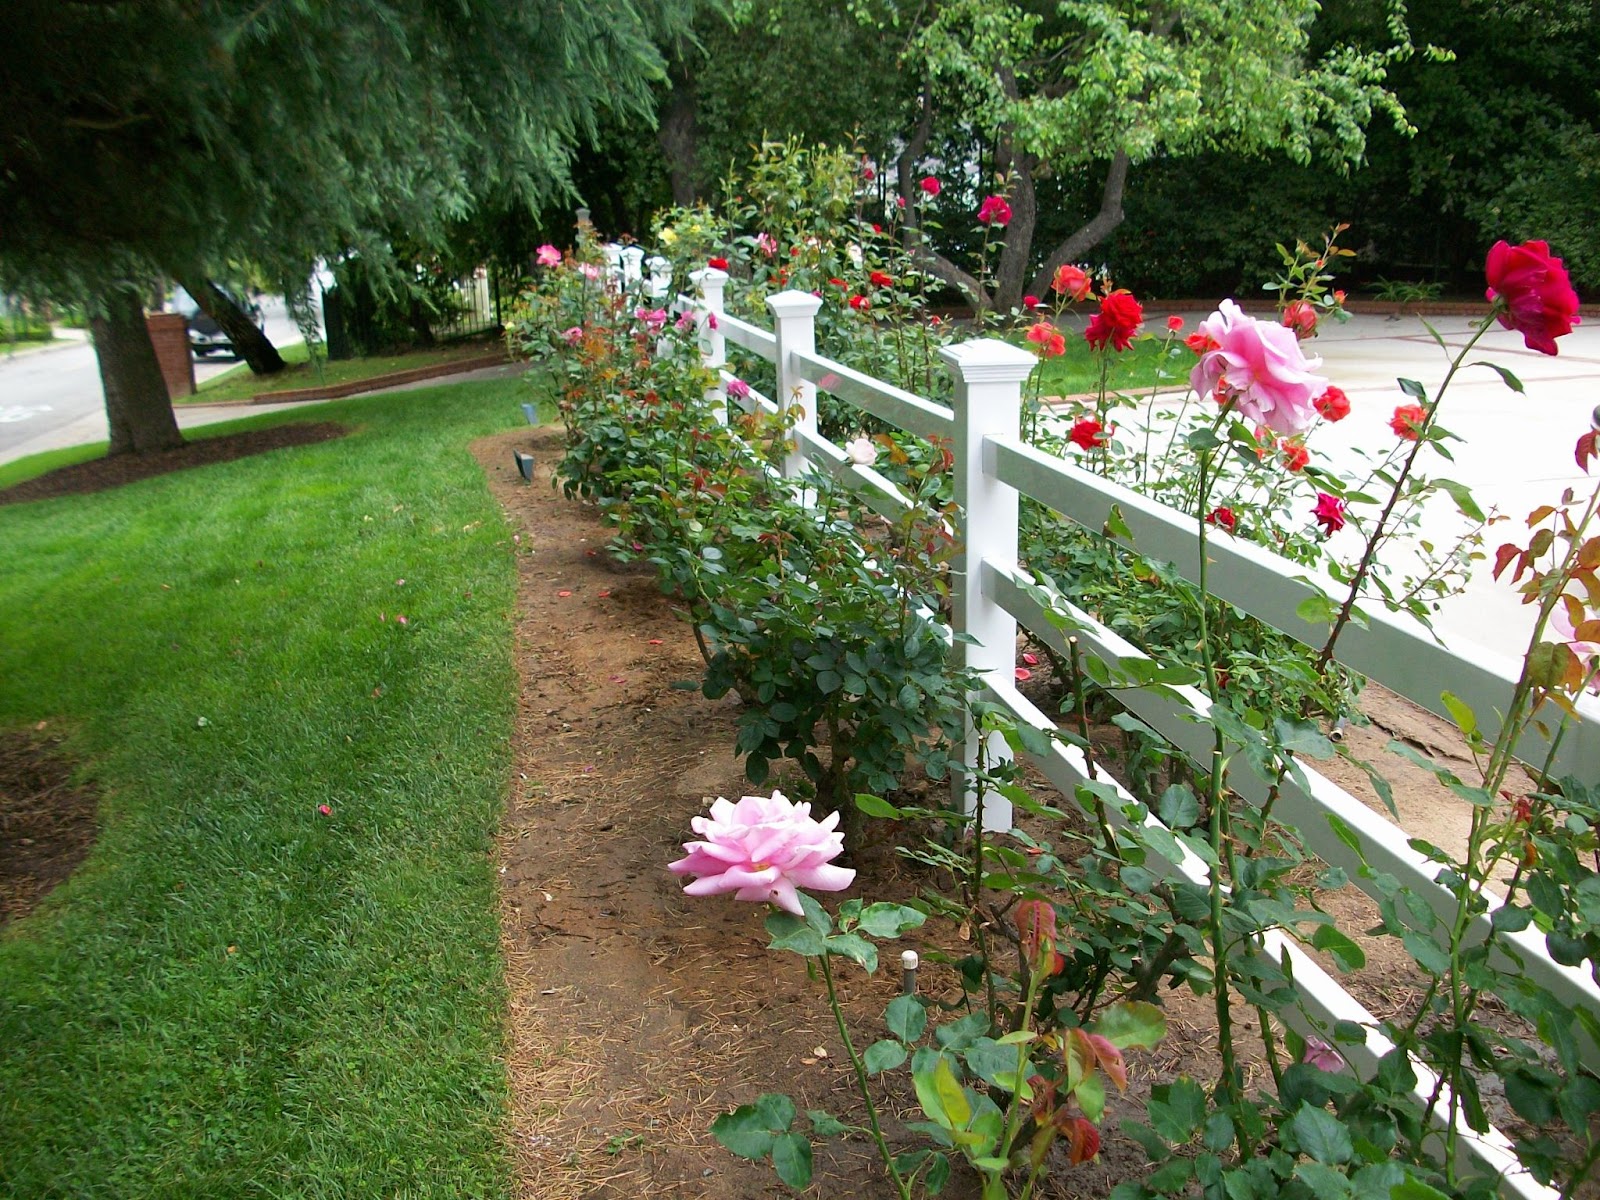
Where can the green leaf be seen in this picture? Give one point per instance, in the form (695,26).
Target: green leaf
(1321,1134)
(826,1125)
(928,1094)
(874,807)
(1511,381)
(1178,808)
(906,1018)
(1317,610)
(1177,1109)
(889,920)
(1462,495)
(789,932)
(1415,1189)
(1133,1024)
(1325,1183)
(1460,713)
(1342,831)
(751,1130)
(857,949)
(952,1098)
(1430,957)
(1347,954)
(883,1056)
(1413,389)
(791,1158)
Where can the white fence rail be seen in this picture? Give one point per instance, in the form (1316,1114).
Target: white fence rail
(993,595)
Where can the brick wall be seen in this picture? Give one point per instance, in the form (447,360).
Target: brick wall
(170,337)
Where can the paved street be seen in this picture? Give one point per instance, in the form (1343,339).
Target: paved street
(50,396)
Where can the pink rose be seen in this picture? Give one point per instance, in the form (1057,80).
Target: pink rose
(1329,513)
(763,849)
(1260,368)
(1540,302)
(548,256)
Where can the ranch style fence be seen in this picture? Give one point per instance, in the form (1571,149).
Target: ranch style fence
(994,596)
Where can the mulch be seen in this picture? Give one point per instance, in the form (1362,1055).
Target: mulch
(103,474)
(47,820)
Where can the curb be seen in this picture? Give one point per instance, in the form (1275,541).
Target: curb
(355,387)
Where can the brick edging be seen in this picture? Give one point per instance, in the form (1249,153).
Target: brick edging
(339,391)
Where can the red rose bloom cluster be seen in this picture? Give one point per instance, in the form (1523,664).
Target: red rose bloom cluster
(1223,517)
(1408,421)
(1295,456)
(994,211)
(1117,321)
(1087,434)
(879,279)
(717,264)
(860,303)
(1332,405)
(1540,302)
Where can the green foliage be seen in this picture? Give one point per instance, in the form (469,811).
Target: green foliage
(229,996)
(231,130)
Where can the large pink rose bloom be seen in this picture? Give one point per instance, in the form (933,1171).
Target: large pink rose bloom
(763,849)
(1260,368)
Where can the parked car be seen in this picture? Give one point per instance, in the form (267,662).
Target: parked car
(205,335)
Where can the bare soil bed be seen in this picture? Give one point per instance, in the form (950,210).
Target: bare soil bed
(638,1014)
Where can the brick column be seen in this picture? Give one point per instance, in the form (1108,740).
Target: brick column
(169,334)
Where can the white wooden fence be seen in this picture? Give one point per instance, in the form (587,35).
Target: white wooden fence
(994,596)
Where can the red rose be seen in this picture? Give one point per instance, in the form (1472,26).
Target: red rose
(994,211)
(1117,321)
(719,264)
(1329,513)
(1201,342)
(1333,404)
(1071,281)
(879,279)
(1222,516)
(929,185)
(1030,302)
(1049,340)
(1539,301)
(1087,435)
(860,303)
(839,283)
(1301,318)
(1295,456)
(867,172)
(1174,323)
(1408,420)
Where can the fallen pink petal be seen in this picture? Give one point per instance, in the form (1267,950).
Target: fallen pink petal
(563,594)
(325,810)
(1031,659)
(1023,674)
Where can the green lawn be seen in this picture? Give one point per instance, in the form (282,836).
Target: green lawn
(240,383)
(239,995)
(1144,365)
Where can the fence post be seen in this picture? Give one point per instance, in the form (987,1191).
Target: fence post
(795,327)
(632,267)
(988,401)
(713,348)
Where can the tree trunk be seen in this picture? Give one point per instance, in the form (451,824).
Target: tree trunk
(137,405)
(679,138)
(1098,228)
(249,343)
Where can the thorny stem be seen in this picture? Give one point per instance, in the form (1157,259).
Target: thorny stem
(1381,527)
(1226,1087)
(861,1081)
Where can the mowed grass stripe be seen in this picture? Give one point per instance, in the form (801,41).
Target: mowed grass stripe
(238,995)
